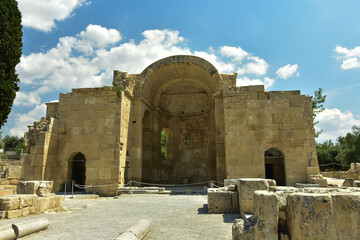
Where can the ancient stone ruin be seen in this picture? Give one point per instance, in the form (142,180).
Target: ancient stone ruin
(214,130)
(281,212)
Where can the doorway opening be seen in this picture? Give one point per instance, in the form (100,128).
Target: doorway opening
(77,169)
(274,166)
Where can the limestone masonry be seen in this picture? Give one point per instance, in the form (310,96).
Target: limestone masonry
(214,130)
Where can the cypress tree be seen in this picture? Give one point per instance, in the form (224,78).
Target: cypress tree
(10,53)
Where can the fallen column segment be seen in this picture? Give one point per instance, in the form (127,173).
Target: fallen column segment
(136,232)
(23,229)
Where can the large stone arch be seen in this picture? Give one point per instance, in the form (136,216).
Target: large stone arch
(177,68)
(179,93)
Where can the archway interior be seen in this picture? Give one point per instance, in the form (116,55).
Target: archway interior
(274,166)
(184,107)
(77,169)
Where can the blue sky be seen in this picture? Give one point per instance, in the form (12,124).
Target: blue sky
(286,45)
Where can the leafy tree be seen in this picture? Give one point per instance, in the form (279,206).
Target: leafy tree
(317,103)
(163,145)
(327,152)
(350,147)
(10,53)
(13,143)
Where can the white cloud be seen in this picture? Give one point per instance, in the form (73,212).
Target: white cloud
(236,53)
(256,66)
(335,123)
(350,57)
(22,120)
(41,14)
(26,99)
(350,63)
(89,58)
(245,81)
(287,71)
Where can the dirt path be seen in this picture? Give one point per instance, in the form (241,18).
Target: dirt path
(170,216)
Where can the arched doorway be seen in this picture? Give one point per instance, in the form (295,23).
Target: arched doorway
(77,169)
(274,166)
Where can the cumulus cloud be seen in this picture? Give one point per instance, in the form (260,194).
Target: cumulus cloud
(287,71)
(350,58)
(245,81)
(22,120)
(89,58)
(335,123)
(236,53)
(42,14)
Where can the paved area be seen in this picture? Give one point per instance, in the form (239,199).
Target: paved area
(335,181)
(170,216)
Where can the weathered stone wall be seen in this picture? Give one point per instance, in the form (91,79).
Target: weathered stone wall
(41,145)
(342,175)
(300,213)
(216,130)
(256,121)
(89,122)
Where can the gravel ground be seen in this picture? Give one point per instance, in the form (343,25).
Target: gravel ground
(170,216)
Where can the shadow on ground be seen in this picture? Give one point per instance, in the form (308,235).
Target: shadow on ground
(227,217)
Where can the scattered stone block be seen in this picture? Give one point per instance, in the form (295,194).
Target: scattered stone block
(222,201)
(45,188)
(246,188)
(263,225)
(9,202)
(322,182)
(349,182)
(312,209)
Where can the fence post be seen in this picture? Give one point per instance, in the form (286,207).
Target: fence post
(65,191)
(72,188)
(117,190)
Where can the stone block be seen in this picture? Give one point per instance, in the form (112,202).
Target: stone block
(349,182)
(9,202)
(25,211)
(27,187)
(356,183)
(6,192)
(45,188)
(322,182)
(44,203)
(27,200)
(346,216)
(309,216)
(246,188)
(222,201)
(14,171)
(14,181)
(13,213)
(263,225)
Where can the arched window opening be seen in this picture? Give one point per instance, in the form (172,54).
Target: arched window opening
(163,145)
(77,169)
(274,166)
(166,145)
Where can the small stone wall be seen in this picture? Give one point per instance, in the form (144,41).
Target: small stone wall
(223,200)
(10,173)
(13,206)
(301,213)
(342,175)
